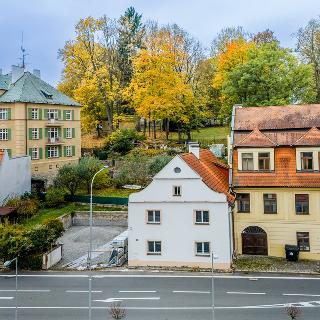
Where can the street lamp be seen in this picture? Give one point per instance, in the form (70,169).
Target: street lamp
(6,265)
(90,240)
(213,256)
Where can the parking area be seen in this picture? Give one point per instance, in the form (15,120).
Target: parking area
(76,244)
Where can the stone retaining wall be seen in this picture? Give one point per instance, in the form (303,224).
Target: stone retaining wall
(100,218)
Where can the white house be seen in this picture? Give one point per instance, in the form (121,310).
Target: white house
(183,215)
(15,176)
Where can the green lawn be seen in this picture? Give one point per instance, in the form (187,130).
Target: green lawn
(47,213)
(109,192)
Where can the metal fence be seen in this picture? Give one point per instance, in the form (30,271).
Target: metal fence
(97,199)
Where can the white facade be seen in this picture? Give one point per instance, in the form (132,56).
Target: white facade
(178,230)
(15,177)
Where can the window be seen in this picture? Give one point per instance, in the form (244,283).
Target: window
(35,133)
(3,134)
(177,190)
(153,216)
(69,133)
(53,114)
(202,217)
(270,203)
(69,151)
(34,113)
(303,241)
(306,161)
(177,170)
(68,114)
(52,133)
(53,152)
(247,161)
(243,201)
(264,160)
(35,153)
(202,248)
(302,204)
(154,247)
(3,114)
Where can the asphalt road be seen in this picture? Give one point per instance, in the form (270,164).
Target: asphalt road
(64,296)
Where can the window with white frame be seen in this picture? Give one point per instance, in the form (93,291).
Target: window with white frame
(53,152)
(154,247)
(69,133)
(3,134)
(306,161)
(247,161)
(153,216)
(35,133)
(69,151)
(202,216)
(176,191)
(53,133)
(68,114)
(203,248)
(35,153)
(256,159)
(3,114)
(53,114)
(34,113)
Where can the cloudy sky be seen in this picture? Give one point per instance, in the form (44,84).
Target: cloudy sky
(47,24)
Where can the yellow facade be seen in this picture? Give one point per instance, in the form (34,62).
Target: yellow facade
(282,227)
(20,141)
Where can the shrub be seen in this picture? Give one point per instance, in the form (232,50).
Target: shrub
(68,178)
(157,163)
(54,197)
(26,207)
(102,180)
(55,227)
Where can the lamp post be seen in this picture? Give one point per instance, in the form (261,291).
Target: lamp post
(90,241)
(213,256)
(6,265)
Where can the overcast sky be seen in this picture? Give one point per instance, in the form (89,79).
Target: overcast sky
(47,24)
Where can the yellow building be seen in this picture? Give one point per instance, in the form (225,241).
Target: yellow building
(275,164)
(38,120)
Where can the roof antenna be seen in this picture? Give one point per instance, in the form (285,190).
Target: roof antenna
(24,54)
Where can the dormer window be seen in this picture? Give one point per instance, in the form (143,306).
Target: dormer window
(47,95)
(264,161)
(247,161)
(307,161)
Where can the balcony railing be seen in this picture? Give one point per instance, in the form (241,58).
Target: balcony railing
(54,122)
(55,140)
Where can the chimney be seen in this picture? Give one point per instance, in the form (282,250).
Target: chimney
(195,149)
(16,73)
(36,72)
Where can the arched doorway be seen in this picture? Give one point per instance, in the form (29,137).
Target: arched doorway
(254,241)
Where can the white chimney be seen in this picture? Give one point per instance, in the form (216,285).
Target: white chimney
(16,73)
(36,72)
(195,149)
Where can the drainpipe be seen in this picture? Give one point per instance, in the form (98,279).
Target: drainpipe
(26,135)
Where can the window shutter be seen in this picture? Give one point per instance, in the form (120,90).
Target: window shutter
(64,151)
(73,151)
(59,132)
(9,152)
(9,134)
(46,151)
(59,114)
(9,114)
(72,115)
(73,132)
(40,114)
(45,114)
(60,151)
(29,113)
(30,133)
(30,152)
(40,153)
(64,133)
(64,114)
(46,132)
(40,133)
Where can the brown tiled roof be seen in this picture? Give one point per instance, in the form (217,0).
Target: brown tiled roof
(310,138)
(6,211)
(1,155)
(277,117)
(256,139)
(284,175)
(214,173)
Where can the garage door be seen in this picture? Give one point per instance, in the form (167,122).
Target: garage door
(254,241)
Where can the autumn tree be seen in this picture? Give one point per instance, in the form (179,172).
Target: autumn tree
(266,36)
(308,45)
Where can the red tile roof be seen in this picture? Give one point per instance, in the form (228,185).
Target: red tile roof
(214,173)
(277,117)
(310,138)
(1,155)
(254,139)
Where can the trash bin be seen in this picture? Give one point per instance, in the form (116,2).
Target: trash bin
(292,252)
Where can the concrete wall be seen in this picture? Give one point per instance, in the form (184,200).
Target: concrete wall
(177,230)
(51,258)
(15,177)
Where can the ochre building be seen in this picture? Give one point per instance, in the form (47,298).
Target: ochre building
(274,153)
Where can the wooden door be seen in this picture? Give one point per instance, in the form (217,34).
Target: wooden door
(254,241)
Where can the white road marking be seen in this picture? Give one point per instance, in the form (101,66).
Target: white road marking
(83,291)
(22,290)
(301,294)
(107,307)
(242,292)
(121,299)
(128,291)
(6,298)
(176,291)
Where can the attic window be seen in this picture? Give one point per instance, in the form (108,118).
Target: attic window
(46,94)
(177,170)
